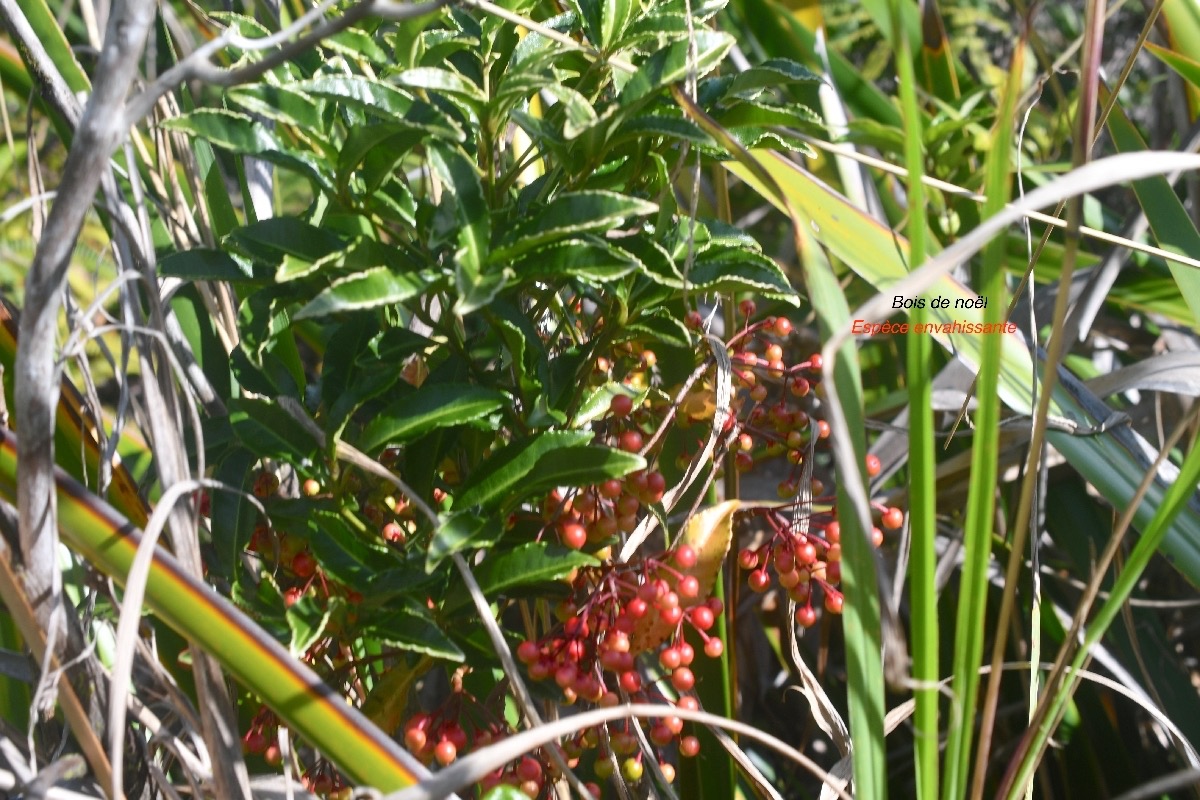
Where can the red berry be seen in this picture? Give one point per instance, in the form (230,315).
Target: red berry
(573,535)
(693,320)
(415,739)
(874,465)
(611,489)
(893,518)
(783,326)
(656,485)
(689,746)
(628,504)
(702,617)
(529,769)
(815,362)
(683,679)
(747,308)
(528,652)
(748,559)
(620,406)
(743,461)
(806,616)
(637,608)
(311,488)
(686,653)
(689,586)
(833,532)
(631,441)
(671,615)
(685,556)
(445,752)
(661,735)
(254,742)
(876,537)
(714,647)
(669,658)
(292,596)
(822,429)
(631,681)
(759,580)
(834,602)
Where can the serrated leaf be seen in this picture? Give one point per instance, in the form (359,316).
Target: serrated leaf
(437,405)
(458,531)
(741,270)
(588,259)
(769,74)
(710,534)
(385,101)
(570,213)
(412,628)
(358,44)
(660,327)
(280,104)
(578,114)
(672,64)
(375,287)
(201,264)
(229,130)
(509,466)
(529,563)
(440,80)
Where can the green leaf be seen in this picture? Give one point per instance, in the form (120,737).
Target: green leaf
(357,44)
(438,405)
(737,270)
(1188,69)
(376,287)
(441,80)
(769,74)
(595,405)
(273,239)
(1170,222)
(458,531)
(269,431)
(606,20)
(578,114)
(385,101)
(412,628)
(529,563)
(572,212)
(589,259)
(307,619)
(201,264)
(238,133)
(500,474)
(474,233)
(672,64)
(582,466)
(280,104)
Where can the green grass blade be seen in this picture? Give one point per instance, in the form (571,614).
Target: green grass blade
(862,614)
(1170,222)
(970,622)
(922,462)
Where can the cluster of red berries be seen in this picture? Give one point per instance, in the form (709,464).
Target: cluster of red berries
(461,722)
(618,613)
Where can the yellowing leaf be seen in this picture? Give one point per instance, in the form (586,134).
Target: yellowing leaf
(710,534)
